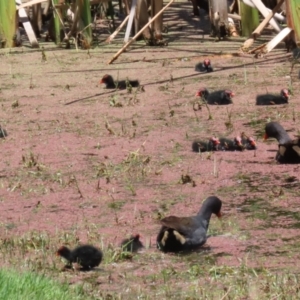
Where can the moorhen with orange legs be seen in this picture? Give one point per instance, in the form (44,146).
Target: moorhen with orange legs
(187,233)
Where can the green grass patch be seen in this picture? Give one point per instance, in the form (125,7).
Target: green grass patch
(31,286)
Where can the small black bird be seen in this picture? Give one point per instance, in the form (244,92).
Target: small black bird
(269,99)
(121,84)
(231,145)
(201,146)
(133,244)
(86,256)
(222,97)
(288,149)
(186,233)
(204,67)
(249,142)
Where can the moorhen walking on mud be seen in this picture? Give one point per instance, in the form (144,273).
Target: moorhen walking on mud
(222,97)
(204,67)
(119,84)
(86,256)
(202,146)
(269,99)
(133,244)
(186,233)
(288,149)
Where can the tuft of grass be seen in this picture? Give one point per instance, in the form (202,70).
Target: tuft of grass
(30,160)
(30,286)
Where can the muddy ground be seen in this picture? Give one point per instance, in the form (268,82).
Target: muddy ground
(85,164)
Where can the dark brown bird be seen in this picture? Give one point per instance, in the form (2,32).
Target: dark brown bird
(133,244)
(269,99)
(222,97)
(86,256)
(201,146)
(121,84)
(288,149)
(204,67)
(186,233)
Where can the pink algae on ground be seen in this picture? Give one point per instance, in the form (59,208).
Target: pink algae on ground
(78,155)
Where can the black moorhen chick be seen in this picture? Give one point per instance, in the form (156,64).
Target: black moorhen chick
(204,67)
(269,99)
(121,84)
(202,146)
(86,256)
(222,97)
(231,145)
(186,233)
(249,143)
(133,244)
(288,149)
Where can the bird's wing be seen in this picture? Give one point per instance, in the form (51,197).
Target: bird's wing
(294,144)
(184,225)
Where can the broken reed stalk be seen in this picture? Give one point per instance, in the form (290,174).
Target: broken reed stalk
(113,35)
(139,33)
(215,166)
(262,25)
(30,3)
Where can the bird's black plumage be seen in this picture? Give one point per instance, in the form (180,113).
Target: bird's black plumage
(110,83)
(227,144)
(288,149)
(186,233)
(87,256)
(221,97)
(132,244)
(249,143)
(201,146)
(270,99)
(205,66)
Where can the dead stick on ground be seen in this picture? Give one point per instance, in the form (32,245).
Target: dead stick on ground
(262,25)
(228,290)
(137,35)
(113,35)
